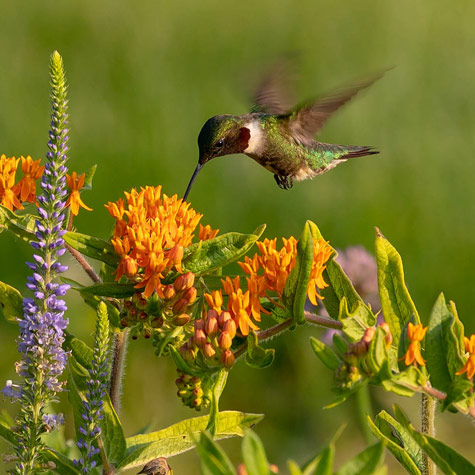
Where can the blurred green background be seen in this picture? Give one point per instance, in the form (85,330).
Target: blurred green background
(144,76)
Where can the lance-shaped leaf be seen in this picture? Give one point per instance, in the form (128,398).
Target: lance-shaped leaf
(112,434)
(446,458)
(396,303)
(254,454)
(110,289)
(295,290)
(11,302)
(325,462)
(90,172)
(340,286)
(93,247)
(207,256)
(23,226)
(326,355)
(213,459)
(365,463)
(377,352)
(256,356)
(442,345)
(398,441)
(178,438)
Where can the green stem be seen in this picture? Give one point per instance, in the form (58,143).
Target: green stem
(118,367)
(428,405)
(363,403)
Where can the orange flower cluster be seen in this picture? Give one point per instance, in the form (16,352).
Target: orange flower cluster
(416,334)
(469,366)
(276,265)
(13,195)
(150,235)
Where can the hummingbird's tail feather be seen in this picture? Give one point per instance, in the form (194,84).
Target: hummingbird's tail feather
(359,151)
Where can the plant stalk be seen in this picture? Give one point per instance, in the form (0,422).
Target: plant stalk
(428,405)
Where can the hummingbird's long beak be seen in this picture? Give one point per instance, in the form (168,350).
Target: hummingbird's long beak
(193,177)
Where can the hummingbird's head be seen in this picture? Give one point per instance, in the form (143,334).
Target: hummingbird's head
(222,135)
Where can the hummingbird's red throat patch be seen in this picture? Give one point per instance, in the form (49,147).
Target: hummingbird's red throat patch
(244,137)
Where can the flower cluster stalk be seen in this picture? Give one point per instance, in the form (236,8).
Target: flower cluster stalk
(90,430)
(42,327)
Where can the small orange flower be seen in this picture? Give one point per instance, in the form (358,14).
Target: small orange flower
(75,183)
(321,253)
(32,171)
(206,232)
(215,299)
(416,334)
(469,366)
(8,197)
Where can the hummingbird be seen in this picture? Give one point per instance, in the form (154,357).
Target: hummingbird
(281,138)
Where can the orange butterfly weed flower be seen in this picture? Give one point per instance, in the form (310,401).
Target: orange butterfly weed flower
(8,197)
(150,235)
(322,251)
(206,232)
(32,171)
(215,299)
(416,334)
(469,366)
(75,183)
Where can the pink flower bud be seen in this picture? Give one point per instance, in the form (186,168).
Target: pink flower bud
(230,327)
(208,350)
(227,358)
(184,281)
(199,338)
(225,340)
(211,326)
(223,318)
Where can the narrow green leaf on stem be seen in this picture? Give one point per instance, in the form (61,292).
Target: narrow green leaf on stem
(254,454)
(325,354)
(213,459)
(11,302)
(93,247)
(365,463)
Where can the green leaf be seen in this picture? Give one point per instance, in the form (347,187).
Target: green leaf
(340,286)
(396,303)
(110,289)
(23,226)
(11,302)
(443,352)
(377,351)
(93,247)
(213,459)
(459,391)
(295,290)
(64,466)
(217,389)
(254,454)
(90,172)
(325,464)
(365,463)
(205,256)
(256,356)
(356,321)
(112,434)
(446,458)
(406,382)
(293,468)
(81,352)
(398,442)
(326,355)
(178,438)
(340,343)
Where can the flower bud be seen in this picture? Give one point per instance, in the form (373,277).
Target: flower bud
(181,320)
(223,318)
(147,333)
(130,267)
(124,322)
(212,313)
(368,336)
(199,324)
(190,295)
(225,340)
(184,281)
(230,327)
(180,306)
(175,255)
(139,301)
(208,350)
(143,316)
(169,292)
(132,314)
(359,348)
(227,358)
(389,337)
(211,326)
(187,354)
(199,338)
(157,322)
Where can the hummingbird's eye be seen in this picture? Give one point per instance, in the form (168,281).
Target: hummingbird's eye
(220,143)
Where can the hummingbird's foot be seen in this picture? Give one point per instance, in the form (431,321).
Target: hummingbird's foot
(284,182)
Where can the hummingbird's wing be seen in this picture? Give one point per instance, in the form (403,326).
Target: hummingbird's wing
(273,94)
(308,119)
